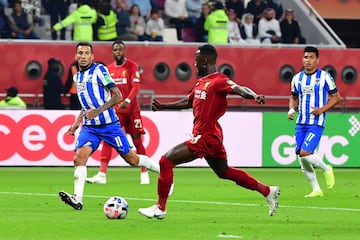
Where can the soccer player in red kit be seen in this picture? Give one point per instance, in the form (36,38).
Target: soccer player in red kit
(126,75)
(208,100)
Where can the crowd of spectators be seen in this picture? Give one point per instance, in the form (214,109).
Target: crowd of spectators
(213,21)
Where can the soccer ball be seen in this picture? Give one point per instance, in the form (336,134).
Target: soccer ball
(116,208)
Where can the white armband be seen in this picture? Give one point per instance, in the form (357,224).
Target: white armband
(291,111)
(128,100)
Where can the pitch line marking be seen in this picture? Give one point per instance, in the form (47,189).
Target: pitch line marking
(191,201)
(228,236)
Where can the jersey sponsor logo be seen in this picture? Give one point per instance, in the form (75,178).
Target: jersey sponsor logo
(81,87)
(200,94)
(308,90)
(120,80)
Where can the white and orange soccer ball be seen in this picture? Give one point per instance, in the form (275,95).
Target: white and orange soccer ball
(116,208)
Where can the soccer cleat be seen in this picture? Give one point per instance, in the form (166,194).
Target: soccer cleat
(152,212)
(314,193)
(99,178)
(70,200)
(273,199)
(330,178)
(144,178)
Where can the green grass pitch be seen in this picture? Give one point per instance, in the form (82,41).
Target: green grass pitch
(202,206)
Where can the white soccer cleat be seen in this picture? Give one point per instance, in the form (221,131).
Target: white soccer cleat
(152,212)
(273,199)
(70,200)
(144,178)
(99,178)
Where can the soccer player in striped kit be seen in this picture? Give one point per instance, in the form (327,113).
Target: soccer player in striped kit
(97,94)
(126,75)
(313,92)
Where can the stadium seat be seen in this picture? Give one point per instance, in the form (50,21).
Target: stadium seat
(170,35)
(188,35)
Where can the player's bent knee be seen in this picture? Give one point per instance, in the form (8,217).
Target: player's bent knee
(131,158)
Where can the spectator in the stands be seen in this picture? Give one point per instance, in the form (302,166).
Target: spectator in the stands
(290,29)
(269,28)
(58,10)
(5,31)
(248,30)
(12,100)
(193,8)
(217,25)
(4,3)
(33,8)
(123,25)
(82,18)
(144,6)
(274,4)
(70,87)
(237,6)
(105,25)
(256,8)
(233,27)
(155,4)
(21,23)
(201,33)
(52,86)
(154,27)
(137,23)
(125,3)
(176,11)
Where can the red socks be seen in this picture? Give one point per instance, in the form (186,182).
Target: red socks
(140,149)
(242,178)
(164,181)
(105,157)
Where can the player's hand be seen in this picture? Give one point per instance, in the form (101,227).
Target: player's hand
(260,99)
(72,129)
(156,105)
(316,111)
(91,113)
(123,105)
(291,114)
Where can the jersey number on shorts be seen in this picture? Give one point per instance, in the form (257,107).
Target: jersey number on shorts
(118,141)
(137,123)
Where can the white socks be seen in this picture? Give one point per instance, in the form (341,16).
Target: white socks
(310,174)
(80,174)
(316,161)
(145,161)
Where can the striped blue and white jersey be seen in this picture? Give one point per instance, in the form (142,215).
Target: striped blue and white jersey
(312,91)
(93,89)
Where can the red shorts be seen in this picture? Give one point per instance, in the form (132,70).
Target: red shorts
(131,122)
(207,145)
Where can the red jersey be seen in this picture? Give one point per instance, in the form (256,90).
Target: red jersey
(209,103)
(127,79)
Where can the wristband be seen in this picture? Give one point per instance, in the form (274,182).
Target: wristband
(291,111)
(128,100)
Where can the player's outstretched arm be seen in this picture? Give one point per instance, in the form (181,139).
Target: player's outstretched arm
(180,104)
(247,93)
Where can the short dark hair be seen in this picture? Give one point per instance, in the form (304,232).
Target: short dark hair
(118,42)
(208,50)
(311,49)
(84,44)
